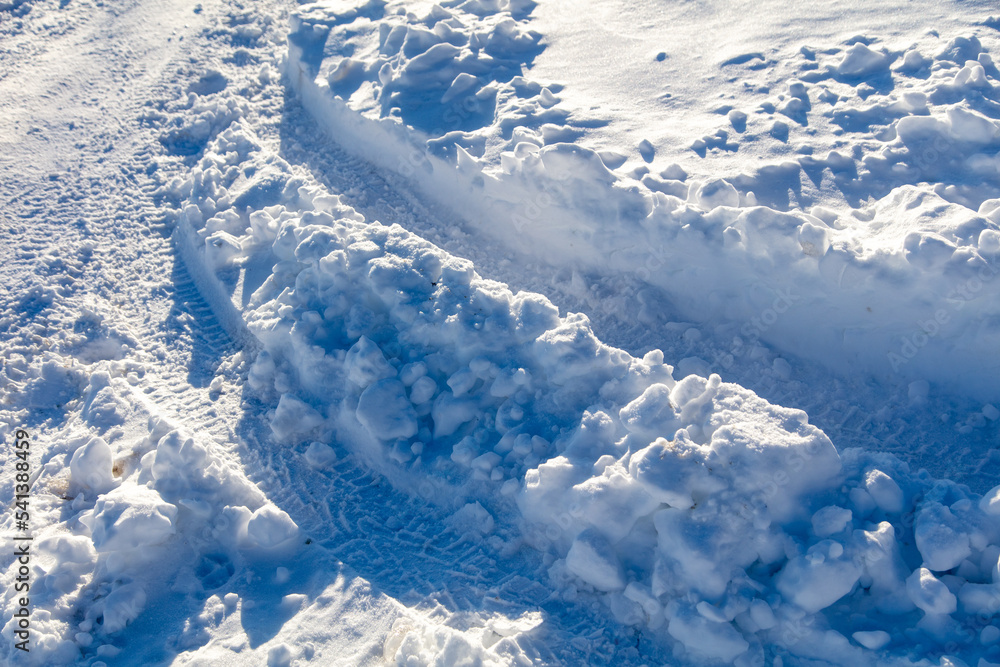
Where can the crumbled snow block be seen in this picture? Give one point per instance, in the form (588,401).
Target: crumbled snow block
(652,414)
(422,390)
(699,550)
(970,126)
(814,239)
(643,596)
(279,655)
(830,520)
(990,209)
(56,385)
(270,527)
(820,577)
(774,455)
(366,363)
(861,61)
(473,518)
(762,614)
(294,418)
(672,472)
(90,467)
(320,454)
(884,491)
(929,593)
(940,539)
(131,518)
(449,413)
(593,560)
(885,571)
(715,193)
(486,462)
(611,502)
(706,638)
(386,412)
(960,49)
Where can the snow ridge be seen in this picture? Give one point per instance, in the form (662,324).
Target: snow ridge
(522,177)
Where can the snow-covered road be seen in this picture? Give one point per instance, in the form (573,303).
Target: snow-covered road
(351,333)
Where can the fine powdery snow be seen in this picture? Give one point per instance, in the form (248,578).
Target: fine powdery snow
(495,332)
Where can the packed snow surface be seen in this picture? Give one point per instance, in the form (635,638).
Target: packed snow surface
(494,332)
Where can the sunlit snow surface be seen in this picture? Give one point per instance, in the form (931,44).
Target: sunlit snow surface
(501,333)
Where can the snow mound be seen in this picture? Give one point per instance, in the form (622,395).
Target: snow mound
(693,509)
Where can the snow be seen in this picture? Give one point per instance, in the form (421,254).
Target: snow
(929,594)
(413,333)
(558,178)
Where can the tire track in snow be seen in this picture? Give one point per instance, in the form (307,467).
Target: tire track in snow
(417,557)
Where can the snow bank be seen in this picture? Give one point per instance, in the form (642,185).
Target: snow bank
(143,510)
(440,95)
(720,524)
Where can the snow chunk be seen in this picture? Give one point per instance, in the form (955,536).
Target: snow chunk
(961,49)
(830,520)
(929,593)
(293,418)
(860,61)
(704,637)
(449,413)
(715,193)
(90,467)
(386,412)
(762,614)
(366,363)
(671,471)
(221,249)
(652,414)
(592,559)
(320,454)
(611,502)
(940,542)
(884,491)
(131,518)
(878,552)
(819,578)
(270,527)
(980,599)
(473,518)
(279,655)
(422,390)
